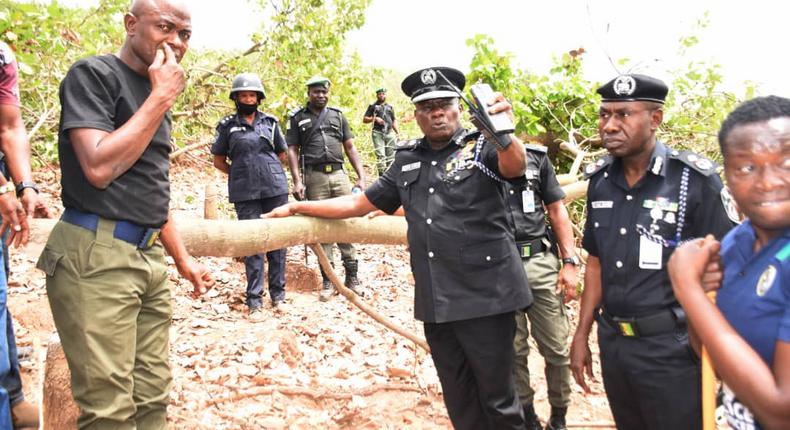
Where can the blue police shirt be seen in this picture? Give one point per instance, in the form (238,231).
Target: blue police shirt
(755,299)
(255,171)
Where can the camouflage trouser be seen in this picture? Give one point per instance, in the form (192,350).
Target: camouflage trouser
(322,186)
(111,306)
(550,329)
(384,145)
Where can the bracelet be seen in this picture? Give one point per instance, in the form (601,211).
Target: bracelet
(6,188)
(25,184)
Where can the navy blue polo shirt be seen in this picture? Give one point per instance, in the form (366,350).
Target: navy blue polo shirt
(755,297)
(255,170)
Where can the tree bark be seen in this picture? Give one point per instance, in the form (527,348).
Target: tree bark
(225,238)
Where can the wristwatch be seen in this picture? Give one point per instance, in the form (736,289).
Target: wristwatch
(574,260)
(24,184)
(6,188)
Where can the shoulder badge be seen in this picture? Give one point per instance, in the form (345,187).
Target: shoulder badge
(406,144)
(766,280)
(593,168)
(295,111)
(696,162)
(536,148)
(225,120)
(729,205)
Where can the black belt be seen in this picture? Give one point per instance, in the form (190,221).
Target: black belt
(665,321)
(139,236)
(327,167)
(529,248)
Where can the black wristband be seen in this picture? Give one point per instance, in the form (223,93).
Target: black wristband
(22,185)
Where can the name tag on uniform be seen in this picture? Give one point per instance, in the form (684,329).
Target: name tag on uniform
(650,254)
(602,204)
(411,166)
(304,121)
(232,129)
(528,201)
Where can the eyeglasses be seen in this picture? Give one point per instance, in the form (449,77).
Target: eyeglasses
(429,105)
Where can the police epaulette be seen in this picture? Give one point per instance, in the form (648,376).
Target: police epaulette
(295,111)
(591,169)
(406,144)
(537,148)
(224,121)
(696,162)
(335,109)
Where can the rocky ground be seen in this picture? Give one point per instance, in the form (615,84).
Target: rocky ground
(315,365)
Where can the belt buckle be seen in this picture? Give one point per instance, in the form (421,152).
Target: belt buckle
(149,238)
(627,327)
(526,250)
(327,168)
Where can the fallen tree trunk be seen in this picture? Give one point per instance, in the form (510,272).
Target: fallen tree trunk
(224,238)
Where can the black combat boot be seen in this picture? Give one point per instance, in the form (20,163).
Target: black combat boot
(531,418)
(327,289)
(557,420)
(352,282)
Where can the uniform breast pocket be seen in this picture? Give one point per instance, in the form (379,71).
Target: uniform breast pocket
(406,183)
(601,218)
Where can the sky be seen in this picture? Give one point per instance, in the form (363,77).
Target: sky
(748,39)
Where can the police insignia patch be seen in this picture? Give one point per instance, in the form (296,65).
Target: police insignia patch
(703,163)
(729,206)
(624,85)
(766,280)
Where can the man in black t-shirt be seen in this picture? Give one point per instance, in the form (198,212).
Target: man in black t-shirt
(106,271)
(382,115)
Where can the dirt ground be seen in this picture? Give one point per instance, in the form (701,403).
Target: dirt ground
(315,365)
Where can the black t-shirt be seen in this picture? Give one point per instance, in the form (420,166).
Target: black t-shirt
(526,199)
(463,255)
(383,111)
(102,93)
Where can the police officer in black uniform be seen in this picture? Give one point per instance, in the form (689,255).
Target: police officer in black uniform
(468,276)
(318,135)
(254,144)
(551,279)
(644,198)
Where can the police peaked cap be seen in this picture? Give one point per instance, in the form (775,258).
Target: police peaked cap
(381,90)
(318,81)
(627,88)
(433,83)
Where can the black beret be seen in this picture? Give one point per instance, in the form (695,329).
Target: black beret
(634,87)
(433,83)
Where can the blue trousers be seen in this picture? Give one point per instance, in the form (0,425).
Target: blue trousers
(5,354)
(253,264)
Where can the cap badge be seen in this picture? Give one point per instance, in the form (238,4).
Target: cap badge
(428,77)
(624,85)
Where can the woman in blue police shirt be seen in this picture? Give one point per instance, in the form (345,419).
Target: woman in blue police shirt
(748,336)
(249,147)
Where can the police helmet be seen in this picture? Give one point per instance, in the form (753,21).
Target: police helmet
(247,82)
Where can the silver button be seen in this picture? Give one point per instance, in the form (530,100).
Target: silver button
(511,191)
(623,231)
(429,220)
(488,258)
(430,190)
(619,264)
(457,177)
(405,183)
(596,225)
(430,254)
(629,197)
(605,174)
(433,163)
